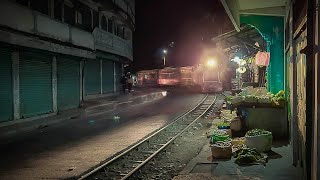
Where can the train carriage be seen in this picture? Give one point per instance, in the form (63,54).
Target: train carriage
(169,76)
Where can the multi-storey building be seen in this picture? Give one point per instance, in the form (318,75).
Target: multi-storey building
(56,53)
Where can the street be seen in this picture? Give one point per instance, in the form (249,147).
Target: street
(67,150)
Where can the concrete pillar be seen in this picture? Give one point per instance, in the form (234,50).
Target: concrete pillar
(62,12)
(16,85)
(114,78)
(100,17)
(101,90)
(92,24)
(54,84)
(51,8)
(81,80)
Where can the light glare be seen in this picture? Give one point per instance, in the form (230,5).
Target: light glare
(211,63)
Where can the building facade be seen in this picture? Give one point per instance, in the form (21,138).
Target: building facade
(56,53)
(292,28)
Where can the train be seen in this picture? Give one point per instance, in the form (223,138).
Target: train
(208,79)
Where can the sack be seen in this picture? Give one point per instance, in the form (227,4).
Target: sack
(235,124)
(261,143)
(221,150)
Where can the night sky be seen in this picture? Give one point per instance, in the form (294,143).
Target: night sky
(187,23)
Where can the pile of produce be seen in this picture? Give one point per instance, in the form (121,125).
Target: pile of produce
(221,150)
(228,114)
(223,125)
(248,156)
(219,135)
(259,139)
(279,98)
(257,132)
(250,99)
(257,95)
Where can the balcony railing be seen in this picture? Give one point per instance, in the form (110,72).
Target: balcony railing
(23,19)
(108,42)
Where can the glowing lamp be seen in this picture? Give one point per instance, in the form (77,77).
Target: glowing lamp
(211,63)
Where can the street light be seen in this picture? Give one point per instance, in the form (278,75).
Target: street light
(164,56)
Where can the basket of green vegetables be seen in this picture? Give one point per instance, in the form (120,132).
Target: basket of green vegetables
(259,139)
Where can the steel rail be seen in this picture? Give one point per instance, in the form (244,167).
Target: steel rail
(82,177)
(165,145)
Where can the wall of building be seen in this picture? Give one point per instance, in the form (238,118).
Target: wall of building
(272,29)
(49,61)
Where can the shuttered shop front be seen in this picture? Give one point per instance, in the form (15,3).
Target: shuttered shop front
(118,68)
(35,83)
(6,95)
(107,76)
(68,81)
(92,77)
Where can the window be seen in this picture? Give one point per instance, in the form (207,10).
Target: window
(96,19)
(104,23)
(110,25)
(58,10)
(83,16)
(79,17)
(120,31)
(23,2)
(69,14)
(40,6)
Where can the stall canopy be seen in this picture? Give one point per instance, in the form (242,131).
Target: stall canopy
(245,43)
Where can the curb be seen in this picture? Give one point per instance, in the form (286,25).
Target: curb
(28,126)
(99,109)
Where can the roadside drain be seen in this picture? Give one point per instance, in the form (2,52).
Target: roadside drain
(204,168)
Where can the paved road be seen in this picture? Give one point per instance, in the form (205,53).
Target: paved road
(67,150)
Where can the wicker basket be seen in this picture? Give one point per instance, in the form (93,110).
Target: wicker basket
(221,150)
(261,143)
(235,124)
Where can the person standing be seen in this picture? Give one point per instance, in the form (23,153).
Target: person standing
(123,82)
(130,82)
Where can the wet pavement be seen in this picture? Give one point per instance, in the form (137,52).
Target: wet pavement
(68,149)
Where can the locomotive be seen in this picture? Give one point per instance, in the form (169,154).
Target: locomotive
(211,74)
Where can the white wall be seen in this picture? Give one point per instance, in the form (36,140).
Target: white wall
(21,18)
(52,28)
(108,42)
(16,16)
(82,38)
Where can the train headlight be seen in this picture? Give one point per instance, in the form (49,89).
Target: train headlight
(211,63)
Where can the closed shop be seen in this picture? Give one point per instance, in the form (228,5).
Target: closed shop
(68,82)
(107,76)
(118,69)
(35,83)
(92,77)
(6,94)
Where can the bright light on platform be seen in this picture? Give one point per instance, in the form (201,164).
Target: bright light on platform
(211,63)
(164,93)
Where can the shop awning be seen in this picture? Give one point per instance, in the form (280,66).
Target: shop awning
(236,8)
(246,43)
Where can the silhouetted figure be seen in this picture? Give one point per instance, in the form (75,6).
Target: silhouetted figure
(123,82)
(130,83)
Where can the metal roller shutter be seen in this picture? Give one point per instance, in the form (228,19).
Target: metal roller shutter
(6,94)
(68,81)
(35,84)
(118,68)
(107,76)
(92,77)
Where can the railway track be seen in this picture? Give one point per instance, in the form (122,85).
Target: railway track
(130,161)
